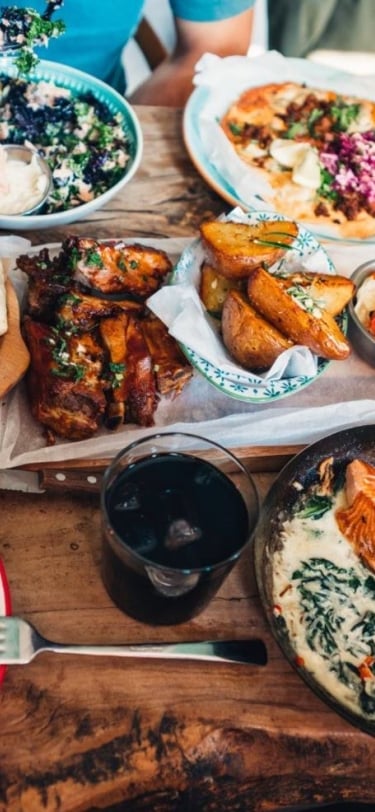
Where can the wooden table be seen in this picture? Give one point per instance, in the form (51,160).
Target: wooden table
(84,734)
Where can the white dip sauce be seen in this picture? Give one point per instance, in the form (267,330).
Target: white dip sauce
(22,185)
(326,597)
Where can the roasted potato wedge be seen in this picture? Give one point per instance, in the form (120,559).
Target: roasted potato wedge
(234,249)
(214,287)
(250,339)
(330,292)
(316,330)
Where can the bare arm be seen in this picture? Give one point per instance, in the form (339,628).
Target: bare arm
(171,83)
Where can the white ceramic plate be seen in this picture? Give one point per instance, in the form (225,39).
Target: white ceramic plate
(78,82)
(5,606)
(245,386)
(271,67)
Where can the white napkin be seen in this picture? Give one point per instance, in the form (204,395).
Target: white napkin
(180,308)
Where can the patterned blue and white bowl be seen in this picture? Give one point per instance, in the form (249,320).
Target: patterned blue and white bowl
(246,386)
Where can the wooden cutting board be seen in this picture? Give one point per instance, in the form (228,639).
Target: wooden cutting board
(14,355)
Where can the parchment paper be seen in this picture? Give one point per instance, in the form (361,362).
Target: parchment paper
(181,309)
(344,395)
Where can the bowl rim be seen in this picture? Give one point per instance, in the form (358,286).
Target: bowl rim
(66,216)
(358,276)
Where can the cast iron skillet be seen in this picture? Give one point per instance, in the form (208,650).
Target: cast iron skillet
(344,446)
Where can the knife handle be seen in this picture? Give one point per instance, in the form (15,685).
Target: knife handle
(85,480)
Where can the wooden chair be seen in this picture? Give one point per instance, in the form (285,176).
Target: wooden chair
(151,46)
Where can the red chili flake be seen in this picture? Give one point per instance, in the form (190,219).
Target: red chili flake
(299,661)
(277,610)
(287,588)
(364,669)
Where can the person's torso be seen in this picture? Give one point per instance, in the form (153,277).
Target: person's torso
(96,31)
(297,27)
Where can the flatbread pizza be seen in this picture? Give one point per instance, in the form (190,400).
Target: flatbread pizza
(315,149)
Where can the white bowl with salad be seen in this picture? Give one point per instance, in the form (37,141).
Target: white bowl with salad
(86,131)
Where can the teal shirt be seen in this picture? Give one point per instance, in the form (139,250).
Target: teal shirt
(97,30)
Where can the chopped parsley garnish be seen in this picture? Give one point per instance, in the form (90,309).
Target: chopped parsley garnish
(69,298)
(315,507)
(117,374)
(74,257)
(326,188)
(297,128)
(65,367)
(236,129)
(73,372)
(298,293)
(94,258)
(343,115)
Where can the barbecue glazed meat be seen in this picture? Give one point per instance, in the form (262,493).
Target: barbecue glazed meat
(48,280)
(97,360)
(140,379)
(171,368)
(113,334)
(64,380)
(84,311)
(116,267)
(133,389)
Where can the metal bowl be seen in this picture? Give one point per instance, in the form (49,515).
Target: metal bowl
(17,152)
(360,337)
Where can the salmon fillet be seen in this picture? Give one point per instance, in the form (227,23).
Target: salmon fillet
(357,521)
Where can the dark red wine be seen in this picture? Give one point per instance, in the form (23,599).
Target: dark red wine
(178,512)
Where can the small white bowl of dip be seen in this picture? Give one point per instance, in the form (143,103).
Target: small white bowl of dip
(25,180)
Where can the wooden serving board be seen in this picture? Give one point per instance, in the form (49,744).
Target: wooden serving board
(14,355)
(86,475)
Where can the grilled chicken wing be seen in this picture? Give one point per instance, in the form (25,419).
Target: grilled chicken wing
(47,282)
(133,391)
(95,360)
(140,379)
(84,311)
(171,368)
(113,335)
(64,380)
(116,268)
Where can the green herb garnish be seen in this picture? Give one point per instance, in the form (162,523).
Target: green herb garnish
(315,507)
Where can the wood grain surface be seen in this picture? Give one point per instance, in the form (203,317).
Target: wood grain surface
(79,734)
